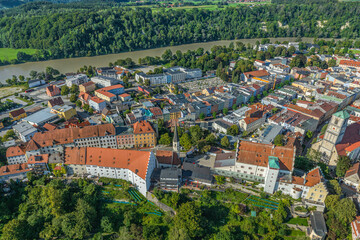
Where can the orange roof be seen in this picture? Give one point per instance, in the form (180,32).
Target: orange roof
(143,127)
(313,177)
(249,120)
(105,93)
(167,157)
(85,96)
(350,63)
(67,135)
(352,147)
(259,153)
(14,151)
(13,169)
(49,126)
(258,73)
(97,100)
(17,112)
(355,225)
(87,84)
(75,155)
(297,180)
(42,158)
(355,169)
(111,87)
(136,161)
(124,95)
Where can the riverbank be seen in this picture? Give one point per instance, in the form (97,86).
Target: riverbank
(73,64)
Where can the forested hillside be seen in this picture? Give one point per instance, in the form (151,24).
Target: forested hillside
(87,32)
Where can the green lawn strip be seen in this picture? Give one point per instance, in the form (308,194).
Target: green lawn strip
(10,53)
(298,221)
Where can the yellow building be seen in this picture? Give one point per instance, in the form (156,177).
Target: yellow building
(64,111)
(144,134)
(317,194)
(1,125)
(17,114)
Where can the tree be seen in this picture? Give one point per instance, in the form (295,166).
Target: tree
(252,99)
(279,140)
(15,230)
(147,82)
(106,225)
(196,133)
(332,63)
(220,180)
(309,134)
(91,110)
(152,232)
(225,111)
(343,164)
(74,89)
(185,141)
(86,107)
(165,139)
(189,218)
(202,116)
(78,103)
(233,130)
(323,129)
(210,139)
(334,187)
(65,90)
(73,98)
(225,142)
(234,107)
(214,115)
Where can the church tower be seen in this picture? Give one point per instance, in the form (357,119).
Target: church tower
(176,144)
(334,134)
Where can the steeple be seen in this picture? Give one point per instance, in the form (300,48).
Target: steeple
(176,140)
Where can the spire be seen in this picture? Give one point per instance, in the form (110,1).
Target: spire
(176,138)
(176,144)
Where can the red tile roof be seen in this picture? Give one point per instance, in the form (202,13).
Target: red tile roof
(42,158)
(167,157)
(249,120)
(355,169)
(143,127)
(258,73)
(97,100)
(87,84)
(136,161)
(313,177)
(259,153)
(49,126)
(67,135)
(75,155)
(56,101)
(17,112)
(14,169)
(350,63)
(14,151)
(355,225)
(85,96)
(156,111)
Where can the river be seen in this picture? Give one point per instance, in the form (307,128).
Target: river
(73,64)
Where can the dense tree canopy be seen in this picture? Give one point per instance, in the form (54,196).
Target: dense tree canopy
(86,32)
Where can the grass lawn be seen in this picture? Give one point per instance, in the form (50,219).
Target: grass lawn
(295,234)
(8,91)
(10,53)
(299,221)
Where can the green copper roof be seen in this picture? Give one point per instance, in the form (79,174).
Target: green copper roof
(342,114)
(274,162)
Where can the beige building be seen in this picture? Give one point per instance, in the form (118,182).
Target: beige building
(333,135)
